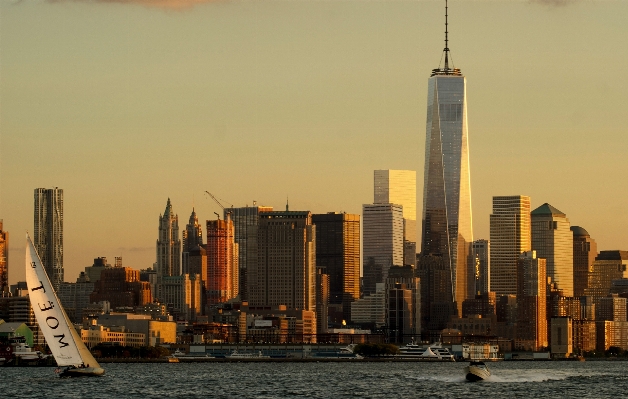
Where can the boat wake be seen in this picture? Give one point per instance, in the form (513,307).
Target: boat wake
(503,376)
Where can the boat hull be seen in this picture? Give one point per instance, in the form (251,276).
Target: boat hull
(82,372)
(474,373)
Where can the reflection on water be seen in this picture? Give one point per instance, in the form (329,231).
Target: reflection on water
(323,380)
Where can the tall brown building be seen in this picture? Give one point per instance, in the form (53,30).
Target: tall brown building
(436,305)
(531,302)
(121,286)
(192,237)
(322,301)
(584,253)
(338,253)
(222,262)
(285,271)
(4,260)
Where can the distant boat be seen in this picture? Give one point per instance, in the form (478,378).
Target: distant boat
(246,355)
(434,352)
(73,358)
(181,355)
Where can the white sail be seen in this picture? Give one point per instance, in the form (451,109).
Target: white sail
(62,338)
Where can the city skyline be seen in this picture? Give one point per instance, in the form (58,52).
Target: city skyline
(88,137)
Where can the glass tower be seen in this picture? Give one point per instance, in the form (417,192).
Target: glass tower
(446,222)
(48,237)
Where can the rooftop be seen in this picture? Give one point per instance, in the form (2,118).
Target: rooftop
(546,209)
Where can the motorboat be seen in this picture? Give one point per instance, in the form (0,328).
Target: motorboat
(476,371)
(26,353)
(69,351)
(246,355)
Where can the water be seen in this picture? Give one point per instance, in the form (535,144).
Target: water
(323,380)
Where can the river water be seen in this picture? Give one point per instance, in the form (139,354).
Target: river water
(592,379)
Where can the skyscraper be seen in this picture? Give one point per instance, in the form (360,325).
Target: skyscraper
(48,232)
(382,248)
(399,187)
(480,258)
(338,253)
(531,302)
(168,244)
(552,239)
(243,219)
(446,222)
(222,262)
(584,253)
(285,271)
(510,237)
(192,237)
(4,259)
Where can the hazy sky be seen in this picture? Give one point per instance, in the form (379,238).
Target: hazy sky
(125,103)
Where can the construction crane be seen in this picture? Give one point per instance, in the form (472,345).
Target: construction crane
(220,205)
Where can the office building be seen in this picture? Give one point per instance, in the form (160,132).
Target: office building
(403,309)
(48,232)
(75,297)
(370,310)
(338,253)
(447,228)
(531,302)
(510,236)
(608,266)
(182,296)
(244,219)
(94,271)
(285,271)
(4,260)
(552,239)
(480,268)
(192,237)
(222,262)
(382,247)
(584,253)
(121,287)
(436,304)
(399,187)
(322,301)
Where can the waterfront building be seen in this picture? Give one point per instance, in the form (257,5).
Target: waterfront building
(16,330)
(480,268)
(584,336)
(370,310)
(222,262)
(244,219)
(285,271)
(97,334)
(382,248)
(584,253)
(4,260)
(168,244)
(552,239)
(611,333)
(121,287)
(510,236)
(155,332)
(531,302)
(75,297)
(182,296)
(338,253)
(192,237)
(561,343)
(48,232)
(474,324)
(607,267)
(447,228)
(399,187)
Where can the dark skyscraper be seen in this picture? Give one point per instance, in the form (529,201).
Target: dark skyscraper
(584,253)
(4,260)
(446,222)
(48,233)
(338,253)
(192,238)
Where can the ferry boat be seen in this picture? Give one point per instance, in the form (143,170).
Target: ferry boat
(476,371)
(184,356)
(246,355)
(434,352)
(341,353)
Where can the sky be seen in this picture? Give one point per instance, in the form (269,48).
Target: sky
(126,103)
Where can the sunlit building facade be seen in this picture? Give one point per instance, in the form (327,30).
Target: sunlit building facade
(552,239)
(399,187)
(510,236)
(222,262)
(4,260)
(584,253)
(531,302)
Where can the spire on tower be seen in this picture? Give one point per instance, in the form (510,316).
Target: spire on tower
(446,70)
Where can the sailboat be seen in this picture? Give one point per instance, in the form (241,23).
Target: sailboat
(71,354)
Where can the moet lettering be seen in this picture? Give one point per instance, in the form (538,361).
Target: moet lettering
(41,287)
(54,319)
(50,306)
(60,338)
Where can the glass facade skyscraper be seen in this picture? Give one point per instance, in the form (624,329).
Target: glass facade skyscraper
(48,235)
(446,222)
